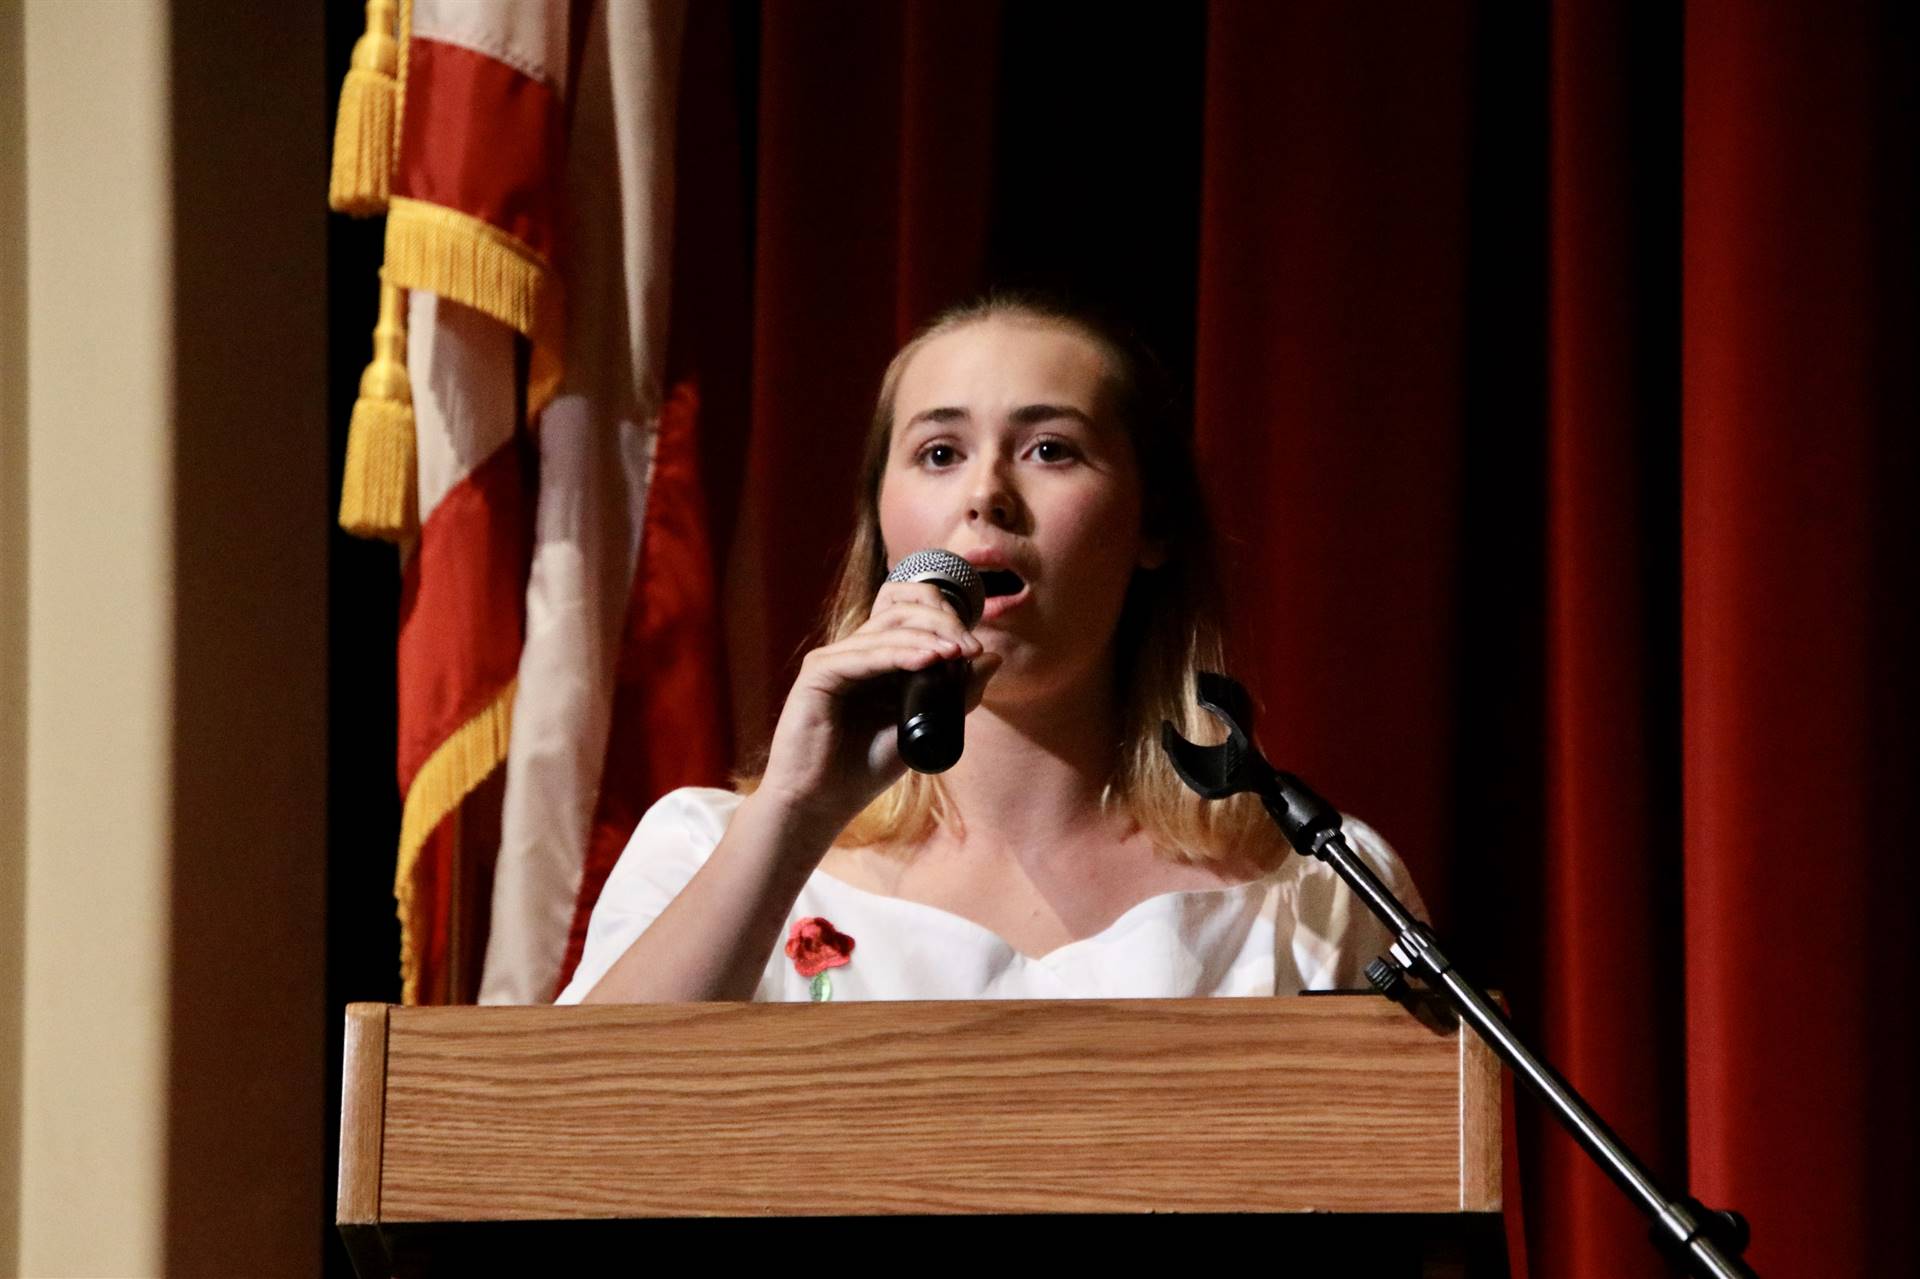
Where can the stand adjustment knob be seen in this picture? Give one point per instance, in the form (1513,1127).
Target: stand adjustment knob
(1388,978)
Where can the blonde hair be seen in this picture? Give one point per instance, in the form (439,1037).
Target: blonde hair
(1170,625)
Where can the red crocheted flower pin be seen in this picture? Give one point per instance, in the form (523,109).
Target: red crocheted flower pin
(815,945)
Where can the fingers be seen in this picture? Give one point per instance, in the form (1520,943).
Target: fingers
(859,658)
(913,598)
(927,623)
(910,592)
(916,605)
(910,628)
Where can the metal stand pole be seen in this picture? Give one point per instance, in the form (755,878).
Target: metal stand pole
(1708,1241)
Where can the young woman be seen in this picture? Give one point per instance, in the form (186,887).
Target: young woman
(1060,857)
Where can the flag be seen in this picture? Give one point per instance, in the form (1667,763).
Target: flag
(461,623)
(521,460)
(608,465)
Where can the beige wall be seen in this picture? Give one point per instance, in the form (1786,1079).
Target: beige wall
(172,754)
(13,613)
(99,616)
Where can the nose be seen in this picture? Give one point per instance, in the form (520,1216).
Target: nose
(992,500)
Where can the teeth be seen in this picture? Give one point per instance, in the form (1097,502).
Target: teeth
(999,581)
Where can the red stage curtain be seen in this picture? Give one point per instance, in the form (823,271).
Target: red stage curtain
(1798,563)
(1609,943)
(1553,374)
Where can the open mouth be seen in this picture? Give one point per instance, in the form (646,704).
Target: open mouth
(1000,581)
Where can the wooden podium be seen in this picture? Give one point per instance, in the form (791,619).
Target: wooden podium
(1327,1129)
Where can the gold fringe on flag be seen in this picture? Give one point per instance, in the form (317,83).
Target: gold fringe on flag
(456,767)
(445,251)
(460,257)
(365,134)
(379,486)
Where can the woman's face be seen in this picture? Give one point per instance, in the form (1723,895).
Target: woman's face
(1004,451)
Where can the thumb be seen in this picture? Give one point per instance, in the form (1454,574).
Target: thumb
(984,667)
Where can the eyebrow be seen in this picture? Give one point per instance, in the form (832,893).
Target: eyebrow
(1026,415)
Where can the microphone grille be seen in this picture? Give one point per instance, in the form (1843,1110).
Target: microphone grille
(955,577)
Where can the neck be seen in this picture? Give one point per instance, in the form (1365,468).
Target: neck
(1033,771)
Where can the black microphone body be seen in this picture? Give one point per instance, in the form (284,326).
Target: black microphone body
(933,702)
(933,709)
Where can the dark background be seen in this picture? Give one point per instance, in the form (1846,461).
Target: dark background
(363,597)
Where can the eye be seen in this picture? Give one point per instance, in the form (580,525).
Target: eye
(937,455)
(1052,451)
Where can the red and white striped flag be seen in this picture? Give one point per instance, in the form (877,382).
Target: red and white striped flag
(600,441)
(530,211)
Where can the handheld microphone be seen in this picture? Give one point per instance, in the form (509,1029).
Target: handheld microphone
(933,702)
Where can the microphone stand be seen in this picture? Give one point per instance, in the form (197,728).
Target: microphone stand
(1708,1241)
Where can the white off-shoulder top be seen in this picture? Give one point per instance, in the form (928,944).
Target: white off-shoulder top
(1297,928)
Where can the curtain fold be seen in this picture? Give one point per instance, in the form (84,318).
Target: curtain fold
(1610,848)
(828,249)
(1797,238)
(1329,382)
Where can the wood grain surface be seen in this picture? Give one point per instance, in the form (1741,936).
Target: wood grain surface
(1225,1105)
(1480,1117)
(363,1078)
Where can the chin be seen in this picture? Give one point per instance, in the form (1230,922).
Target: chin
(1026,676)
(1015,680)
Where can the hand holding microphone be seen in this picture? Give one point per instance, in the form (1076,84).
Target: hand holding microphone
(895,691)
(933,701)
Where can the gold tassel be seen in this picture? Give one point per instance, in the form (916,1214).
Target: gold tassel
(364,139)
(379,487)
